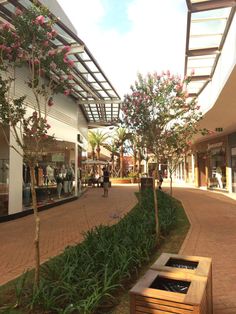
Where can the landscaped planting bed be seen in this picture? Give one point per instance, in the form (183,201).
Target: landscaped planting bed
(86,277)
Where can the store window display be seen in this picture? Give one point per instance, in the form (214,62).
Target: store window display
(217,168)
(54,175)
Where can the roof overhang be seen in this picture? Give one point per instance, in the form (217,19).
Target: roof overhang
(208,23)
(95,95)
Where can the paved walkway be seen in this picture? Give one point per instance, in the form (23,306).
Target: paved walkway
(213,233)
(60,226)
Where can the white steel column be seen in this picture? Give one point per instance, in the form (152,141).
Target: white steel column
(15,179)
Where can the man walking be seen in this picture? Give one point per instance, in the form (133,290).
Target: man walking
(105,182)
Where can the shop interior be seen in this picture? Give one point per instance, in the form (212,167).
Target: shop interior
(54,175)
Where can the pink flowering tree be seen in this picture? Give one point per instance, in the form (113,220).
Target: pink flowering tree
(28,43)
(156,106)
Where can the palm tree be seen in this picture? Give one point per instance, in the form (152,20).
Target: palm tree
(92,143)
(120,137)
(99,138)
(114,150)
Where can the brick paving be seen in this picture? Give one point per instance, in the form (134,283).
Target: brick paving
(212,233)
(60,226)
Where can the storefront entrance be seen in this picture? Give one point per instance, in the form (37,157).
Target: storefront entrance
(233,167)
(202,171)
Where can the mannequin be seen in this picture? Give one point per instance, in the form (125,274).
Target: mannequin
(50,174)
(59,180)
(219,177)
(70,177)
(65,180)
(26,185)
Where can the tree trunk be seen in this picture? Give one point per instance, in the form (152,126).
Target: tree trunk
(171,184)
(156,202)
(134,161)
(113,167)
(98,152)
(139,161)
(121,161)
(37,227)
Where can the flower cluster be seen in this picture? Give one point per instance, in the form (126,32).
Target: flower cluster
(29,40)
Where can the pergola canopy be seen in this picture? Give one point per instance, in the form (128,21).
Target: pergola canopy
(207,27)
(99,101)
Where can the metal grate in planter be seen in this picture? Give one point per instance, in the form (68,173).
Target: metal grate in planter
(179,263)
(171,285)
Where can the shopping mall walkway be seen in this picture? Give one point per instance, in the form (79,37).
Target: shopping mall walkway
(60,226)
(213,234)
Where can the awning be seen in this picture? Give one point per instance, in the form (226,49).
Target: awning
(99,101)
(207,27)
(94,162)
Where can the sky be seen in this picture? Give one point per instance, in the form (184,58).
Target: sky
(127,37)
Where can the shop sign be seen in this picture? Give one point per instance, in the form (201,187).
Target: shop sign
(214,145)
(58,157)
(233,151)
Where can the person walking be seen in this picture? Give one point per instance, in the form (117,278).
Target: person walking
(106,176)
(160,179)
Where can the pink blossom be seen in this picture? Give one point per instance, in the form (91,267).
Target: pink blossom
(45,43)
(50,102)
(53,65)
(70,77)
(54,33)
(6,26)
(168,73)
(192,72)
(2,47)
(66,48)
(51,53)
(18,12)
(36,61)
(49,35)
(40,20)
(67,92)
(71,63)
(65,59)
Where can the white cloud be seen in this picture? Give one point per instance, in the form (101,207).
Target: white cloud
(155,41)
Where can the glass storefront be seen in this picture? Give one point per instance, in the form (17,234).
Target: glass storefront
(233,167)
(54,175)
(4,171)
(217,168)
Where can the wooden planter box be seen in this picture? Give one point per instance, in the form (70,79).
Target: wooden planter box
(193,265)
(120,181)
(146,183)
(156,293)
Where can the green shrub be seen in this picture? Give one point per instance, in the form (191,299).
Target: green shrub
(85,276)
